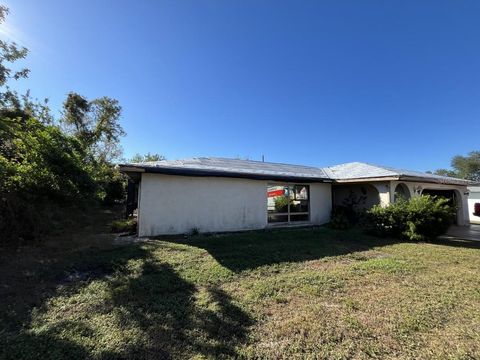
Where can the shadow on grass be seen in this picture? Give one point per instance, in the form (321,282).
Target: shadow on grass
(154,304)
(150,311)
(45,345)
(250,250)
(162,306)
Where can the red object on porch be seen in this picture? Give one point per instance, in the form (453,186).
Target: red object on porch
(274,193)
(476,210)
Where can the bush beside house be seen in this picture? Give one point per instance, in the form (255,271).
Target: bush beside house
(417,219)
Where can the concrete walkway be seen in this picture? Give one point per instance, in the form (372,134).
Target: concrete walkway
(471,232)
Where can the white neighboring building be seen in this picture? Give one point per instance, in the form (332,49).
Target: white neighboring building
(474,198)
(218,194)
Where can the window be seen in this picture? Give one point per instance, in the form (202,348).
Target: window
(288,203)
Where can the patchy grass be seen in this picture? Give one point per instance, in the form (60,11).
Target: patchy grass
(124,225)
(281,294)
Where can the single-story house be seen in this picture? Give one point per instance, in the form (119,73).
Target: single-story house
(219,194)
(474,204)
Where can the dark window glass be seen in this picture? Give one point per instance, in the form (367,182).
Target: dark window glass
(275,218)
(287,203)
(299,199)
(298,217)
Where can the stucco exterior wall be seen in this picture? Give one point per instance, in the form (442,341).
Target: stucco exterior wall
(177,204)
(170,204)
(383,189)
(320,203)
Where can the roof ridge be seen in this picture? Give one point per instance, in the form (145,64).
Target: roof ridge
(257,161)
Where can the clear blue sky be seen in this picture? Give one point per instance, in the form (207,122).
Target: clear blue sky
(307,82)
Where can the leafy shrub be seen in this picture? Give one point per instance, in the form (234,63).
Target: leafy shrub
(340,219)
(281,203)
(419,218)
(112,186)
(43,167)
(344,217)
(125,225)
(350,213)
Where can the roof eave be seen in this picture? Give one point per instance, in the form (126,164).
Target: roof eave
(130,168)
(458,182)
(454,181)
(362,179)
(219,173)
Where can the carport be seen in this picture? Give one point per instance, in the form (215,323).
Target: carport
(371,184)
(452,195)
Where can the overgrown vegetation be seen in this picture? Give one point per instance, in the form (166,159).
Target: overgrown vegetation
(124,225)
(47,162)
(419,218)
(285,294)
(351,212)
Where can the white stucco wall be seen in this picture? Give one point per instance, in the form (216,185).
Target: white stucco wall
(320,203)
(171,204)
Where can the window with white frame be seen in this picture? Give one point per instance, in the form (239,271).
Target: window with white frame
(288,203)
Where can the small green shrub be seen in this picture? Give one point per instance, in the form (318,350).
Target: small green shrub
(281,203)
(113,187)
(340,219)
(350,213)
(417,219)
(125,225)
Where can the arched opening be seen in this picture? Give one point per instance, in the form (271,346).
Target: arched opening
(454,199)
(401,192)
(357,196)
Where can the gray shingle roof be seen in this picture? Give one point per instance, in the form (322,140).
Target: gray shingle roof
(219,166)
(359,170)
(265,170)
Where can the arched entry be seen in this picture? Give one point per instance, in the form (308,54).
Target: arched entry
(401,192)
(454,199)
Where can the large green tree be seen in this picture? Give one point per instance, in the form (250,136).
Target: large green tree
(465,167)
(45,163)
(10,53)
(95,123)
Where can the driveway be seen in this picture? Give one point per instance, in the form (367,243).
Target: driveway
(471,232)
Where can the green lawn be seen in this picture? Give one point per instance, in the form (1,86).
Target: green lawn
(280,294)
